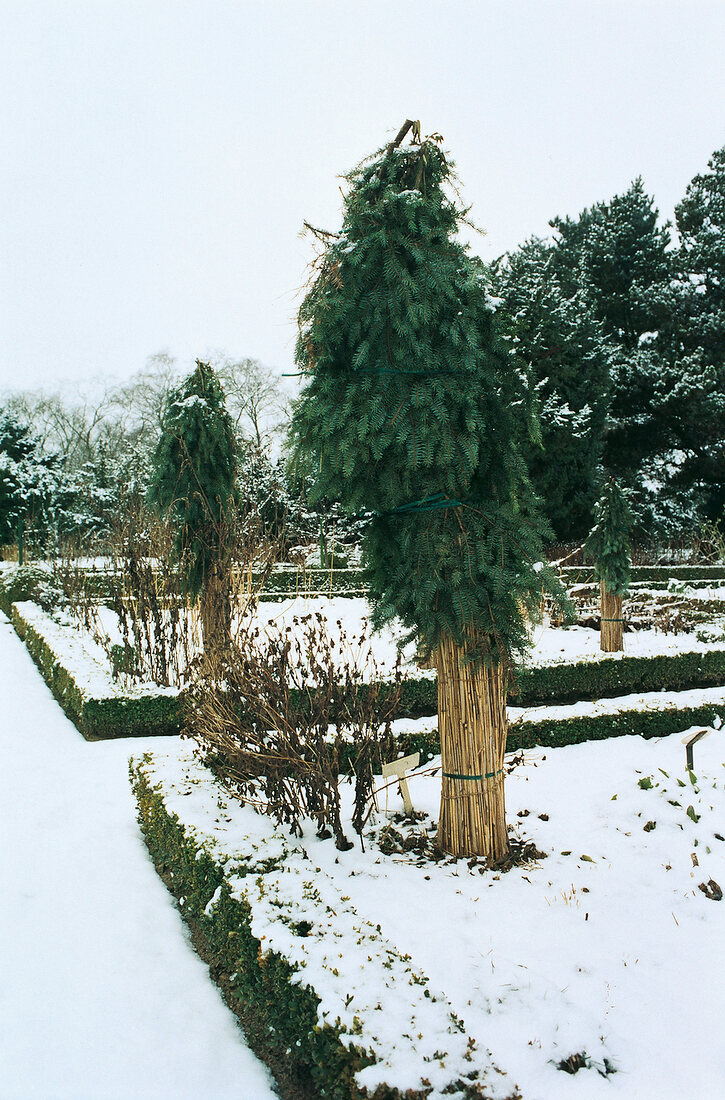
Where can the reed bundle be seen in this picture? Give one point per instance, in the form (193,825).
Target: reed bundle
(472,724)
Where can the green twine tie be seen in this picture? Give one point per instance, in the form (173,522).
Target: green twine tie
(487,775)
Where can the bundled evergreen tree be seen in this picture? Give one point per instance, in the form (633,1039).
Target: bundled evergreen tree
(608,547)
(413,412)
(194,483)
(554,334)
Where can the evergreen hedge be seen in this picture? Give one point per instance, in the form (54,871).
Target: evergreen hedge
(603,679)
(19,583)
(98,719)
(559,732)
(277,1011)
(158,715)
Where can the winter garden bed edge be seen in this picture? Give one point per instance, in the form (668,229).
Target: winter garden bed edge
(19,582)
(333,1008)
(105,709)
(147,712)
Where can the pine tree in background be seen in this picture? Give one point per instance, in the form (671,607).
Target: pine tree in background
(618,255)
(194,483)
(608,547)
(556,337)
(413,412)
(700,219)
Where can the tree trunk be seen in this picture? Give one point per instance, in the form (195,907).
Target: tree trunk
(611,630)
(473,725)
(216,626)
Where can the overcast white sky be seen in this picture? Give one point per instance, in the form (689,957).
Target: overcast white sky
(159,157)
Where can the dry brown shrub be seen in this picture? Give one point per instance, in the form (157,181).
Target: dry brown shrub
(278,713)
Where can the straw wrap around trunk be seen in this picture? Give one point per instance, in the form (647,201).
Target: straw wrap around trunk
(611,631)
(472,724)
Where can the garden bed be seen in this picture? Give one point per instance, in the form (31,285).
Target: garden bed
(334,1008)
(650,692)
(584,972)
(77,673)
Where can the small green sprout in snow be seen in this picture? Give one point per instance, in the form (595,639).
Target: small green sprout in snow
(646,783)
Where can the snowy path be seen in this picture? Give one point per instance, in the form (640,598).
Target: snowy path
(101,995)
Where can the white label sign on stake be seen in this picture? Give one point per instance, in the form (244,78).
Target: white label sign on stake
(399,768)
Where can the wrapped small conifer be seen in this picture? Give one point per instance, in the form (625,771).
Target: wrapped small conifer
(414,415)
(608,546)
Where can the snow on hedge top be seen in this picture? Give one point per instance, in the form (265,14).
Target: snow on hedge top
(368,991)
(83,658)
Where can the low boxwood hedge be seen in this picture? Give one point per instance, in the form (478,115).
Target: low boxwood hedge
(162,714)
(278,1011)
(606,678)
(19,582)
(647,722)
(559,731)
(622,675)
(98,719)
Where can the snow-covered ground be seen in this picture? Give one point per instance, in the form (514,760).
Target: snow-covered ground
(605,948)
(101,995)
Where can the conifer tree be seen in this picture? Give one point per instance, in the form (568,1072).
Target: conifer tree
(556,337)
(618,254)
(194,483)
(700,221)
(414,414)
(15,447)
(34,490)
(614,256)
(608,546)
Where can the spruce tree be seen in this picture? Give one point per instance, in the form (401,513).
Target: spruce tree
(194,482)
(608,546)
(414,414)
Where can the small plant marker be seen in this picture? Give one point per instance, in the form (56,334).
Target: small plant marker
(691,738)
(399,768)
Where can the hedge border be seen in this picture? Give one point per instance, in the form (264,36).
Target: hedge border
(277,1014)
(559,732)
(350,582)
(98,719)
(161,715)
(606,678)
